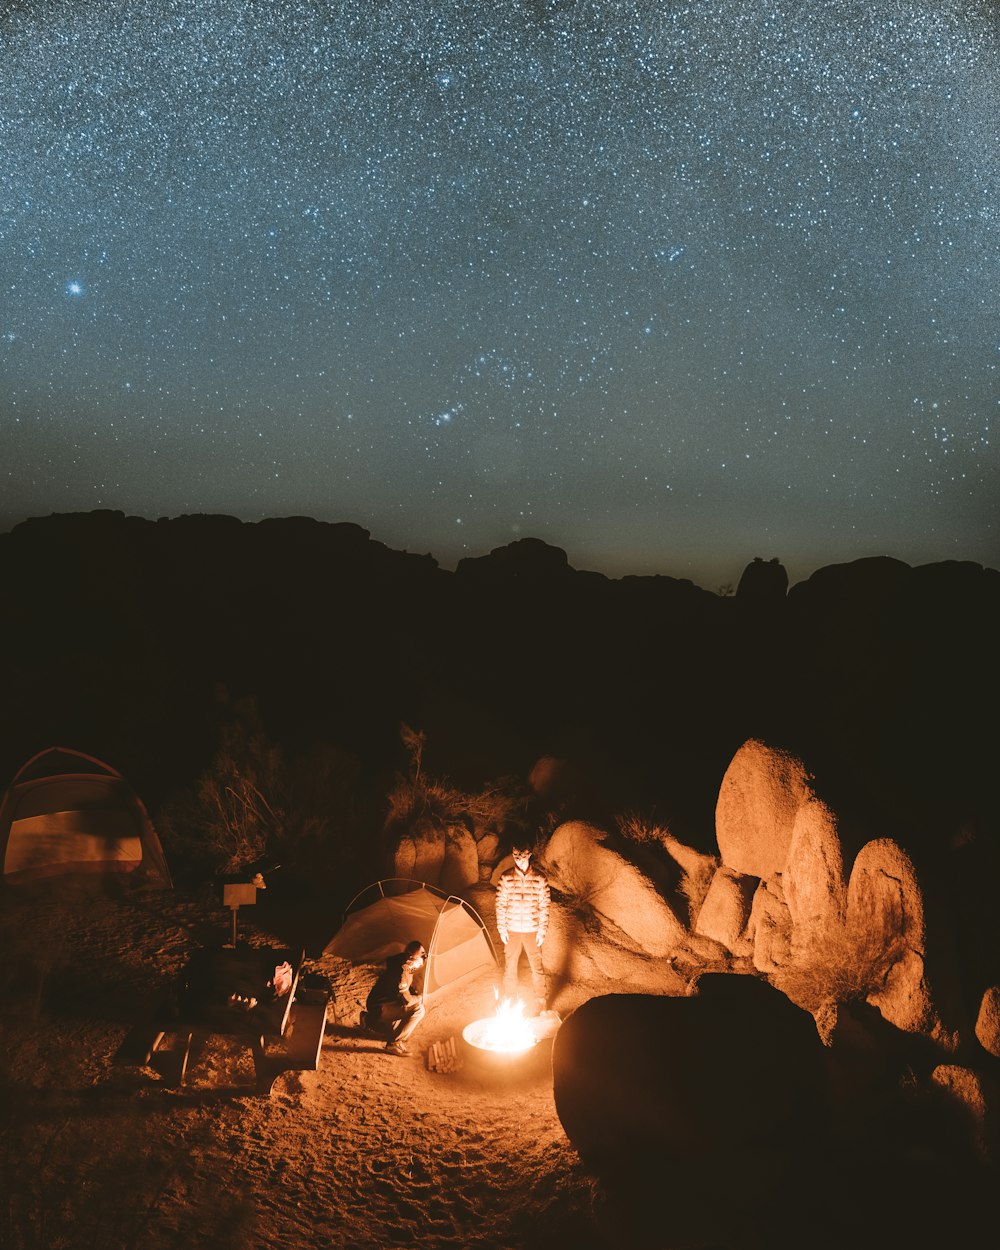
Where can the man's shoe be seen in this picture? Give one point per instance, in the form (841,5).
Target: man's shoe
(396,1048)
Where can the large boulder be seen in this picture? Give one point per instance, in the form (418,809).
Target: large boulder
(581,862)
(487,852)
(726,910)
(420,857)
(691,862)
(884,895)
(813,880)
(988,1021)
(735,1066)
(460,867)
(445,858)
(905,998)
(763,583)
(769,928)
(593,952)
(974,1097)
(885,910)
(759,798)
(696,869)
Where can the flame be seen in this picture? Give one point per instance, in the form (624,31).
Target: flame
(507,1031)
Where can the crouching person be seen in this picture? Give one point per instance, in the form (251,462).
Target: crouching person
(395,1003)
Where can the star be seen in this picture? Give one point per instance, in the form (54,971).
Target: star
(443,259)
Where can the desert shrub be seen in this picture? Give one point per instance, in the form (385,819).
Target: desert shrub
(848,965)
(419,803)
(235,810)
(636,827)
(252,804)
(328,811)
(694,885)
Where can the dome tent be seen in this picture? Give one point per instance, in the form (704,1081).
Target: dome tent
(383,918)
(67,813)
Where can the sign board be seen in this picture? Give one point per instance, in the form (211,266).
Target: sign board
(238,895)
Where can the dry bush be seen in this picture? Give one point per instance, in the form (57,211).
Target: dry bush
(848,965)
(252,805)
(238,820)
(694,886)
(326,811)
(419,802)
(437,803)
(635,827)
(235,810)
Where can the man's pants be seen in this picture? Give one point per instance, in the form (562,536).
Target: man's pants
(527,942)
(400,1020)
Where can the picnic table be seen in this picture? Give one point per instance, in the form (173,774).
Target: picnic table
(247,993)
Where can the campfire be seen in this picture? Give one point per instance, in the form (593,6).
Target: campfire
(505,1033)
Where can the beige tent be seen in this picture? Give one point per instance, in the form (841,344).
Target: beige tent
(383,918)
(66,813)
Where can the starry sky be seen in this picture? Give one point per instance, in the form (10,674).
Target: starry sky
(667,283)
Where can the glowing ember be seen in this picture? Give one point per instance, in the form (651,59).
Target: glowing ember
(507,1032)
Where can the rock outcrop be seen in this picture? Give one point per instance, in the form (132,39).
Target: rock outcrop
(581,862)
(759,799)
(726,910)
(769,929)
(988,1021)
(827,934)
(445,858)
(885,908)
(813,879)
(975,1097)
(735,1066)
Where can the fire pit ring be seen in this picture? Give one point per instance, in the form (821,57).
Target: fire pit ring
(526,1058)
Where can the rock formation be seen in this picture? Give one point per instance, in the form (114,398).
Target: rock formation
(759,799)
(734,1066)
(988,1021)
(580,862)
(813,878)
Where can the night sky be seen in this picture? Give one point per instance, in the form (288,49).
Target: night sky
(670,285)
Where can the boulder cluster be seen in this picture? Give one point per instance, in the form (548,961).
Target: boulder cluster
(800,893)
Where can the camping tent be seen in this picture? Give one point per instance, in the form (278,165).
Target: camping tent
(383,918)
(67,813)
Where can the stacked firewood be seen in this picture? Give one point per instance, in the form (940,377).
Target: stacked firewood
(443,1056)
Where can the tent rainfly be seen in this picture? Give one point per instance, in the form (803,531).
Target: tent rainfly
(383,918)
(66,813)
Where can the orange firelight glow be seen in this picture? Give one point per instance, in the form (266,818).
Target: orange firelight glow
(507,1032)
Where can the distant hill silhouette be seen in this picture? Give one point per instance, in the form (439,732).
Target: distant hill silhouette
(117,631)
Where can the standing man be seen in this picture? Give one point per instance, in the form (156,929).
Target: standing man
(522,918)
(394,1002)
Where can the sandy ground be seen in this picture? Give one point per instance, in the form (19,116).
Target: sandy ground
(371,1150)
(100,1149)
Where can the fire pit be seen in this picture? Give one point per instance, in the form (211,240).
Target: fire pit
(507,1041)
